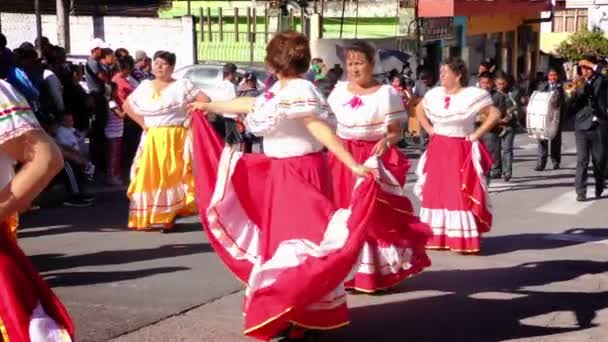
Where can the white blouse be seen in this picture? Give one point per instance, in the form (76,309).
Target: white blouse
(167,108)
(275,117)
(365,117)
(17,119)
(454,115)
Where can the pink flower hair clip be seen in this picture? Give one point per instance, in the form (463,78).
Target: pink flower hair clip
(355,102)
(268,95)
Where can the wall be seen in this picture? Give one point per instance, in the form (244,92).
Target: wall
(367,8)
(497,23)
(147,34)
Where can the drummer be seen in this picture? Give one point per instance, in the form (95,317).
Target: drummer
(553,147)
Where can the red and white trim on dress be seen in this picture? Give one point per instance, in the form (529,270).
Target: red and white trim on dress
(459,230)
(299,280)
(385,264)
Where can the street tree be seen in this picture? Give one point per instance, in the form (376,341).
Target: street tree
(585,42)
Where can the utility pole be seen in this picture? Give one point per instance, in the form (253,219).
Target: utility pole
(63,25)
(38,26)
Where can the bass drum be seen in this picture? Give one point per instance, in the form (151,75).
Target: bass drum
(543,115)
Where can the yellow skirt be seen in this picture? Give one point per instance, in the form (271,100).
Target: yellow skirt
(162,185)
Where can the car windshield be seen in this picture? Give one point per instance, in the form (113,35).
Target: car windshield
(203,77)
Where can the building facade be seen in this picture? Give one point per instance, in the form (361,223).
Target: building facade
(504,31)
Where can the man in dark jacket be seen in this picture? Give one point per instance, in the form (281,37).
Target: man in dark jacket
(492,139)
(590,106)
(553,147)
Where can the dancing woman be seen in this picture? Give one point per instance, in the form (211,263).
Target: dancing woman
(162,186)
(451,174)
(270,217)
(29,311)
(369,117)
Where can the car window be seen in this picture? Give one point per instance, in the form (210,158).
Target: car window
(203,76)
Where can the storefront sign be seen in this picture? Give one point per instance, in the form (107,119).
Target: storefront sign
(437,28)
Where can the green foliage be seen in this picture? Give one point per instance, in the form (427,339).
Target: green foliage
(583,43)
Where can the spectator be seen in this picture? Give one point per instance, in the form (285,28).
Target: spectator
(76,166)
(143,64)
(97,74)
(6,57)
(249,86)
(52,90)
(21,75)
(226,125)
(115,128)
(77,101)
(121,52)
(484,67)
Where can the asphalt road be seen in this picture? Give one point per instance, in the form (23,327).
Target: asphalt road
(542,274)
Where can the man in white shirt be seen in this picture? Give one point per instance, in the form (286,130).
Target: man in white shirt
(226,124)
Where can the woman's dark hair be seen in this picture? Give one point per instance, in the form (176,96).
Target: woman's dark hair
(288,54)
(121,52)
(125,63)
(363,47)
(166,56)
(457,65)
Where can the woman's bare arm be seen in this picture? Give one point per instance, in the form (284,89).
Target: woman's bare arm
(424,121)
(41,159)
(240,105)
(492,115)
(128,109)
(325,135)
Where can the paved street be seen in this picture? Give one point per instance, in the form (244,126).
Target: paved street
(542,274)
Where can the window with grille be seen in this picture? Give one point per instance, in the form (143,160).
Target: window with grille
(570,20)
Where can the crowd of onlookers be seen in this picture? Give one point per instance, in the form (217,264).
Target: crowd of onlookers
(80,106)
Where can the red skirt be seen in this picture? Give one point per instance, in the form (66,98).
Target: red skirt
(29,310)
(453,188)
(272,223)
(394,248)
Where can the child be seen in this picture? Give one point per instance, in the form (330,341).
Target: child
(114,131)
(68,137)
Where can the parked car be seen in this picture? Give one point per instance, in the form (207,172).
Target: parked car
(206,76)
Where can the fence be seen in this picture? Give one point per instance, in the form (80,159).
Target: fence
(241,34)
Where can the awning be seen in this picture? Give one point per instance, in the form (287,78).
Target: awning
(452,8)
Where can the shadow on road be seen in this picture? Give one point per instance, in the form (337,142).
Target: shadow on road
(481,305)
(53,262)
(90,278)
(495,245)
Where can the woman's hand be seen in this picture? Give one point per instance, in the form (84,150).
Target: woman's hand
(361,171)
(381,147)
(197,105)
(472,137)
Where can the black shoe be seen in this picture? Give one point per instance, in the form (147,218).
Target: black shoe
(87,197)
(539,167)
(495,176)
(556,166)
(506,177)
(599,191)
(581,198)
(77,203)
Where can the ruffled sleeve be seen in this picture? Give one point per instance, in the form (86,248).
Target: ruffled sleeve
(142,93)
(300,99)
(429,98)
(480,99)
(394,110)
(191,91)
(16,116)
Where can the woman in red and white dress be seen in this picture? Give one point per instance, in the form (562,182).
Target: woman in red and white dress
(270,217)
(29,310)
(451,174)
(369,117)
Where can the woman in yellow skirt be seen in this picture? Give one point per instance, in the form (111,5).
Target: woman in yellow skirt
(162,186)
